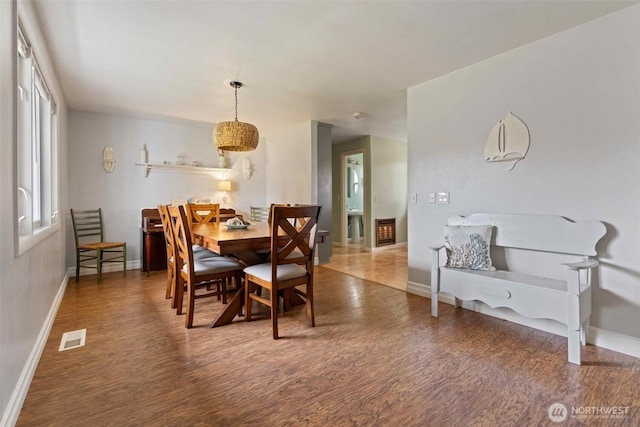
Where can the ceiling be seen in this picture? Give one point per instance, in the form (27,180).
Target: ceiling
(298,60)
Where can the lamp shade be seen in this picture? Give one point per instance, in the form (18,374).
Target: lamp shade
(236,136)
(224,185)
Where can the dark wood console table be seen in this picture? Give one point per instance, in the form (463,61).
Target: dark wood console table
(154,251)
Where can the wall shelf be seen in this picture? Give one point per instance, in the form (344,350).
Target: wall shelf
(179,168)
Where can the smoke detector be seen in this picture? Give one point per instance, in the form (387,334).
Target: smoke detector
(358,115)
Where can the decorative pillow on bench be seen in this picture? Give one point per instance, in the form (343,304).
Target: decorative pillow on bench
(468,246)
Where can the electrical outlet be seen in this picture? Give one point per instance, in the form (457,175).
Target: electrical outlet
(432,197)
(442,198)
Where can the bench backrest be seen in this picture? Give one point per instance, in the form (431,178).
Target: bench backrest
(550,233)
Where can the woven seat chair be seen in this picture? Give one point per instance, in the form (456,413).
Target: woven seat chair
(90,244)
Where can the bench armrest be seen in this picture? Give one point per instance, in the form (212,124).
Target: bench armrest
(436,247)
(581,265)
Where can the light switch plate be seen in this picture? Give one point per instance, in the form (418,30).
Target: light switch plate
(442,198)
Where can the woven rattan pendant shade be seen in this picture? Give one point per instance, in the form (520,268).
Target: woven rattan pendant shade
(236,136)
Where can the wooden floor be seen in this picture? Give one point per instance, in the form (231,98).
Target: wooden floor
(386,267)
(375,358)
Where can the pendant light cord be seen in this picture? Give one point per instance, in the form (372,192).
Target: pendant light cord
(236,103)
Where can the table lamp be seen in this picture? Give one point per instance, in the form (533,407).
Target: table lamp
(224,186)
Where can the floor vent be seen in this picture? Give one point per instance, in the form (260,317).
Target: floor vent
(73,339)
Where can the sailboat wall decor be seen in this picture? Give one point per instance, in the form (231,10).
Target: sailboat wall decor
(508,141)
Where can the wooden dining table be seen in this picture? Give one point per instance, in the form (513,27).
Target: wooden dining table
(241,244)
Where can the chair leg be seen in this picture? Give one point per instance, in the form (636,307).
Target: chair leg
(223,289)
(311,317)
(99,264)
(77,266)
(178,293)
(247,300)
(167,293)
(191,292)
(124,260)
(274,311)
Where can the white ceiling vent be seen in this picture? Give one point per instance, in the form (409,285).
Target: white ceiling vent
(73,339)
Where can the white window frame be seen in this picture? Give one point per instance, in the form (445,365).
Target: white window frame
(37,171)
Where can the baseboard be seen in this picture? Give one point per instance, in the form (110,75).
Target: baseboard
(614,341)
(387,247)
(10,416)
(419,289)
(107,268)
(596,336)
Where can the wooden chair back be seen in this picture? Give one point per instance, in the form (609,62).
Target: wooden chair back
(271,207)
(170,245)
(87,226)
(200,213)
(91,247)
(183,249)
(259,213)
(299,224)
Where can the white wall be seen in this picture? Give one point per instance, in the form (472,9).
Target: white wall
(290,162)
(123,193)
(579,93)
(30,284)
(389,184)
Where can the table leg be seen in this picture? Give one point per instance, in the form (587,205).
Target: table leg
(231,310)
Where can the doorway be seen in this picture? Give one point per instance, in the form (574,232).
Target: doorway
(354,207)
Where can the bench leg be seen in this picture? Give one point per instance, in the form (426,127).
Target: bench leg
(583,332)
(573,338)
(435,282)
(434,304)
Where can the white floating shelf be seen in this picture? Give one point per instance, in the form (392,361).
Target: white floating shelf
(180,168)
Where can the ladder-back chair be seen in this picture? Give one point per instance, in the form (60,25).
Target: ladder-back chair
(90,245)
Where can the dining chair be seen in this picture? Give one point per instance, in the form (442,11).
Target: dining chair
(259,213)
(198,253)
(200,213)
(286,270)
(169,244)
(194,272)
(88,230)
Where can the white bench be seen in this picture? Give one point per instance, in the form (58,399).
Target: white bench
(568,302)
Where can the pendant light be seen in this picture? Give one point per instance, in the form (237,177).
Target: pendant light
(236,136)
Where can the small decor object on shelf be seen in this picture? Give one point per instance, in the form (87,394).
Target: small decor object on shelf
(143,154)
(222,160)
(109,159)
(508,141)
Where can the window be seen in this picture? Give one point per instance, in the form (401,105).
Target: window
(36,150)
